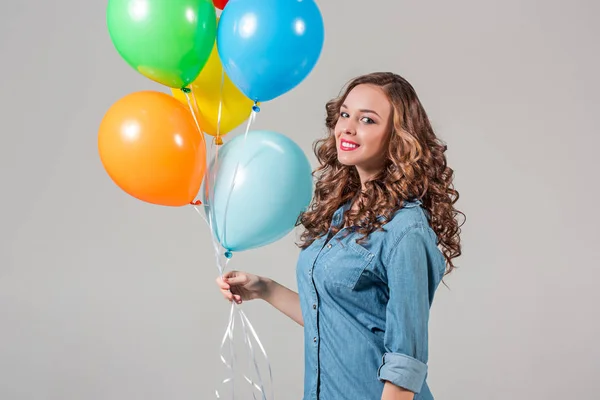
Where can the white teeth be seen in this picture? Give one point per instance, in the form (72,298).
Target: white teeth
(349,145)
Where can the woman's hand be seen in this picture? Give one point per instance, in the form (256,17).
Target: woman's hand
(240,286)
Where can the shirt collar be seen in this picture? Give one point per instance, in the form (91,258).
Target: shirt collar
(338,215)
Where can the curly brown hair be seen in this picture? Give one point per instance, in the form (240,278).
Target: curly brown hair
(415,168)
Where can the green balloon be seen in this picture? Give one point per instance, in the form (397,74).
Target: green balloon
(168,41)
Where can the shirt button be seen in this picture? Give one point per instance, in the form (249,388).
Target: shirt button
(329,246)
(314,306)
(315,339)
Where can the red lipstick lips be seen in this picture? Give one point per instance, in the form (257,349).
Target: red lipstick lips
(347,145)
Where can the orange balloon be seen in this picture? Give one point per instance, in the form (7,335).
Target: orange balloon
(151,148)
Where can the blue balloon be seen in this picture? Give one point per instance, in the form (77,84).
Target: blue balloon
(273,186)
(268,47)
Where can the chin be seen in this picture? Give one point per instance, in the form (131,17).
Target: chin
(345,160)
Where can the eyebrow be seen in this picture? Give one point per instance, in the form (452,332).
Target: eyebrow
(364,110)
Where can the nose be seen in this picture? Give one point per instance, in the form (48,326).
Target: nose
(348,128)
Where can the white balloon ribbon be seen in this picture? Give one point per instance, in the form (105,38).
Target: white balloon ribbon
(251,339)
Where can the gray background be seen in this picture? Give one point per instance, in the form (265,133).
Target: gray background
(105,297)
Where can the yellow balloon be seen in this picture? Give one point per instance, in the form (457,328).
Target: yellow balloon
(235,106)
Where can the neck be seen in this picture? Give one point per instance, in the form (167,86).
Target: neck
(366,175)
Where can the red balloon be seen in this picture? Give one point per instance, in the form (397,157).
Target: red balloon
(220,4)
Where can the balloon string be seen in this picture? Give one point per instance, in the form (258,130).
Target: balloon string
(235,172)
(228,335)
(193,111)
(215,146)
(209,208)
(249,334)
(220,110)
(247,326)
(245,321)
(209,218)
(210,181)
(187,91)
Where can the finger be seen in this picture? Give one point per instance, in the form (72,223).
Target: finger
(237,280)
(222,284)
(237,298)
(230,274)
(227,293)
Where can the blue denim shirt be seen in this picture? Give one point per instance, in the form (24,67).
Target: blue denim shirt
(366,308)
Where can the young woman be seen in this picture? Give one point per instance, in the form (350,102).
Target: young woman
(381,233)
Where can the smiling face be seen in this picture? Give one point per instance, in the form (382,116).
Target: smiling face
(363,129)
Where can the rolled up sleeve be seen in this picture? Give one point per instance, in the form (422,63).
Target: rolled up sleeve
(406,342)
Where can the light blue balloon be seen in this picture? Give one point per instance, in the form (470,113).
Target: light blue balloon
(273,186)
(268,47)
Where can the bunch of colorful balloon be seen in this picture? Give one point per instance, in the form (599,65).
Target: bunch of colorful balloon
(219,71)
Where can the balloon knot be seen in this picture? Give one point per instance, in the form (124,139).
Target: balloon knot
(228,254)
(218,141)
(255,107)
(196,203)
(186,90)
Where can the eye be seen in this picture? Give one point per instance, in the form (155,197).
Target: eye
(344,114)
(367,120)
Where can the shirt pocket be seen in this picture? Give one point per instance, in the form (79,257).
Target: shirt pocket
(346,263)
